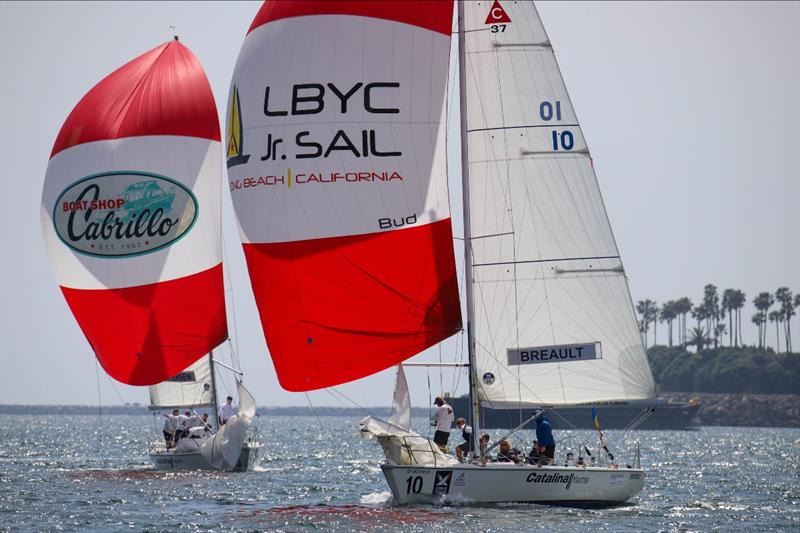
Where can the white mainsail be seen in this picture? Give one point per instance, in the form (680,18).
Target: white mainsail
(554,322)
(189,388)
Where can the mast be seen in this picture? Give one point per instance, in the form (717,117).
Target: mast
(462,93)
(214,405)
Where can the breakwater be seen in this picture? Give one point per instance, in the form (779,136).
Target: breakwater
(759,410)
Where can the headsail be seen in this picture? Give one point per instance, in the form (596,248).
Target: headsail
(554,319)
(131,216)
(190,388)
(223,449)
(336,162)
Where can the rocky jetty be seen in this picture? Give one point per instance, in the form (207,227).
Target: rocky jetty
(762,410)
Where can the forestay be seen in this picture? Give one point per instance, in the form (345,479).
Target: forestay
(131,216)
(188,388)
(336,161)
(554,323)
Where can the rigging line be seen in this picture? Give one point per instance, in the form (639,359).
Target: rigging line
(308,399)
(343,395)
(546,260)
(99,406)
(226,259)
(430,402)
(114,386)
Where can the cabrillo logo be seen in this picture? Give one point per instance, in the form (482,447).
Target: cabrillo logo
(235,131)
(123,213)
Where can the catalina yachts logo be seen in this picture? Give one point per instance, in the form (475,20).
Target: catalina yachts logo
(119,214)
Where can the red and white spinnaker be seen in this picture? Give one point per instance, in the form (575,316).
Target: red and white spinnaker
(131,216)
(337,169)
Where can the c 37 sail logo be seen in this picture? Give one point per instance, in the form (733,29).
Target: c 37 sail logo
(123,213)
(235,131)
(497,15)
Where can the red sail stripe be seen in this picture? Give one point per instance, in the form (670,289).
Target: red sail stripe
(170,324)
(162,92)
(435,15)
(338,309)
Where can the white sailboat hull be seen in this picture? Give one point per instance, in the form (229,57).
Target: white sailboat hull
(163,459)
(506,482)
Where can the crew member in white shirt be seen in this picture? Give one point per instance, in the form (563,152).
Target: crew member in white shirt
(170,427)
(442,422)
(226,410)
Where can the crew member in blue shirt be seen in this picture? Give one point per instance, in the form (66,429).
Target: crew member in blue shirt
(544,435)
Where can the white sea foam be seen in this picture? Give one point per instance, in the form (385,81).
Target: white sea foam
(376,498)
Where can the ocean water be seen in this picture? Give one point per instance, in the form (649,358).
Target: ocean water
(83,473)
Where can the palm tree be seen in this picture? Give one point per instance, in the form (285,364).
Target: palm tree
(784,296)
(682,307)
(668,314)
(776,316)
(763,301)
(737,303)
(796,302)
(712,312)
(642,309)
(653,316)
(727,309)
(698,338)
(700,313)
(758,320)
(719,331)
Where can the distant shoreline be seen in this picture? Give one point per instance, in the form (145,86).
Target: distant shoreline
(717,409)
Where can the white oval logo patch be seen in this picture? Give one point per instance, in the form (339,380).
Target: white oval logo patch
(123,213)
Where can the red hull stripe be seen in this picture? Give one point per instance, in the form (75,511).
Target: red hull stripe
(171,324)
(435,15)
(162,92)
(338,309)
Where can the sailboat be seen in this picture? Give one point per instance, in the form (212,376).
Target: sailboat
(131,221)
(339,183)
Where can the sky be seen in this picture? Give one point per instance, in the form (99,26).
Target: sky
(691,112)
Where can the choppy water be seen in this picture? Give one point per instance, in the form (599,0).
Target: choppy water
(62,474)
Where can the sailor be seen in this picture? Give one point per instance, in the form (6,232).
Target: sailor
(226,411)
(193,421)
(205,423)
(170,427)
(182,425)
(544,434)
(442,422)
(466,433)
(507,454)
(536,457)
(483,442)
